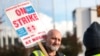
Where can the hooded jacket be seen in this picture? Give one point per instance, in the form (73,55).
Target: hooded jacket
(91,39)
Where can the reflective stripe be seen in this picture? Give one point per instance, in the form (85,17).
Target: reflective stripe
(96,55)
(38,53)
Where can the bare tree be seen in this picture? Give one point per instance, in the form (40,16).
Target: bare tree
(1,19)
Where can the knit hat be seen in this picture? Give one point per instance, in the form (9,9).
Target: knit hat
(91,37)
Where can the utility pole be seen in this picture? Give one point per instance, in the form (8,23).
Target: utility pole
(53,13)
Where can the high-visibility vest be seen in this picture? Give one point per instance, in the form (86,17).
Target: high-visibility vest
(38,53)
(96,55)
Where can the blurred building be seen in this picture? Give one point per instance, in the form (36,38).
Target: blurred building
(7,36)
(83,17)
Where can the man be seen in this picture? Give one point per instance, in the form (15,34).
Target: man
(91,40)
(52,44)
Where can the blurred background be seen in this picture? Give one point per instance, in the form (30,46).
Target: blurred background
(71,17)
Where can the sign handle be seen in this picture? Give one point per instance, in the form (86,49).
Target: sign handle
(42,48)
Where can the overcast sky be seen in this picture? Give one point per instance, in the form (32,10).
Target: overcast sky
(60,10)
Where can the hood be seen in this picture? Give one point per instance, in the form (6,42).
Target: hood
(91,38)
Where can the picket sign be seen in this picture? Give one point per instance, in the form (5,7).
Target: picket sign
(27,24)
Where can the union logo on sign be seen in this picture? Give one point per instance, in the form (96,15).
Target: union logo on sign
(29,9)
(21,32)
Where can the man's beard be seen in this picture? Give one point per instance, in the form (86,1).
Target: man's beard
(53,48)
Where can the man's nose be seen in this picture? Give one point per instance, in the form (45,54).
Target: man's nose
(56,41)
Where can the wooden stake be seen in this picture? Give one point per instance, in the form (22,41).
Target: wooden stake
(42,48)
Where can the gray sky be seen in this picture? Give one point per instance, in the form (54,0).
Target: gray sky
(62,9)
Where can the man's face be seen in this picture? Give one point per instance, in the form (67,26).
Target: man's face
(54,40)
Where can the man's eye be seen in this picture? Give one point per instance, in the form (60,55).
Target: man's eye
(53,38)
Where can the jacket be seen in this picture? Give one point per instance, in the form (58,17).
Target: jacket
(40,53)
